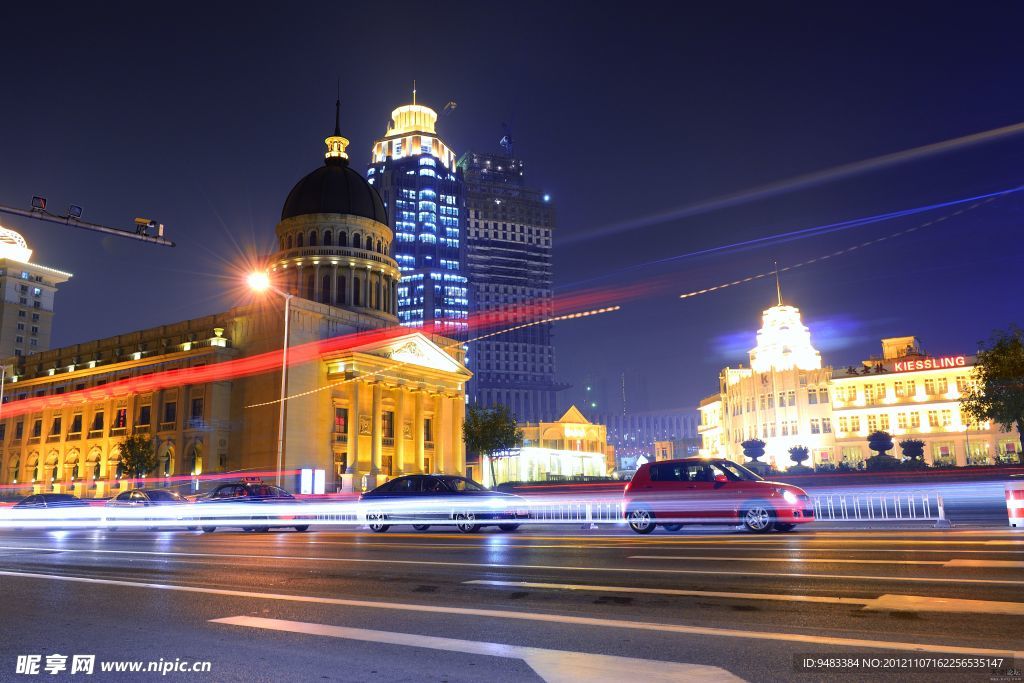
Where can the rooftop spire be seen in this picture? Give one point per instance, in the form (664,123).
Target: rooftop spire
(414,91)
(778,286)
(336,144)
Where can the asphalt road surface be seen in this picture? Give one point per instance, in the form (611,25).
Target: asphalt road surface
(540,604)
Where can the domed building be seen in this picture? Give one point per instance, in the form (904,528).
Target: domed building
(334,241)
(366,399)
(28,292)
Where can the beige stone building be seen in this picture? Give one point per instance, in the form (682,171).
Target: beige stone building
(367,399)
(27,293)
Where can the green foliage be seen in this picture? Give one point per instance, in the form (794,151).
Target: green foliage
(997,394)
(799,454)
(489,431)
(882,463)
(138,456)
(753,448)
(880,442)
(913,449)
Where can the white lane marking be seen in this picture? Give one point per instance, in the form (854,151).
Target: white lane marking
(553,666)
(991,564)
(675,591)
(920,603)
(495,565)
(821,560)
(547,618)
(887,603)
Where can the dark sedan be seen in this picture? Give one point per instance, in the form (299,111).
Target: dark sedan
(422,500)
(147,498)
(40,501)
(257,495)
(49,507)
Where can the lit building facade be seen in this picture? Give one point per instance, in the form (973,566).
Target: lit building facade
(368,399)
(416,175)
(913,395)
(28,291)
(797,402)
(782,398)
(509,232)
(570,447)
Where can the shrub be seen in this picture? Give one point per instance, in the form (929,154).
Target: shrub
(882,463)
(880,442)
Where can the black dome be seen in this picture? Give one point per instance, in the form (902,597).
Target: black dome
(335,188)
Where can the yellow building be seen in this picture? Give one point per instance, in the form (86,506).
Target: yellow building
(571,447)
(914,396)
(367,399)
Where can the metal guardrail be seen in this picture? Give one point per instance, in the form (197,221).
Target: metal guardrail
(880,506)
(582,512)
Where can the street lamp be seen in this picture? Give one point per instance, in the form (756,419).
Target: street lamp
(260,282)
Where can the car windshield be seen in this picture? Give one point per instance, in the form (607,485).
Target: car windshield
(165,496)
(264,491)
(59,497)
(462,484)
(734,472)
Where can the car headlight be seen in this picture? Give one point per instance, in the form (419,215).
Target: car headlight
(789,496)
(496,504)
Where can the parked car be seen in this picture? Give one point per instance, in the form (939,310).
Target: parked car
(442,500)
(137,498)
(40,501)
(671,493)
(258,497)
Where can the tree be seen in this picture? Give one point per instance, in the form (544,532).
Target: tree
(490,431)
(799,454)
(912,448)
(880,442)
(138,457)
(753,449)
(997,392)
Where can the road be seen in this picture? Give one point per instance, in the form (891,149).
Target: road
(540,604)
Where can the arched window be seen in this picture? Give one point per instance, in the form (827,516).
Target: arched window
(328,238)
(357,294)
(325,289)
(288,242)
(298,240)
(310,288)
(339,295)
(312,238)
(356,243)
(342,239)
(380,247)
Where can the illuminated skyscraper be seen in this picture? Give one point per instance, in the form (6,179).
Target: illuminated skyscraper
(415,173)
(509,230)
(26,305)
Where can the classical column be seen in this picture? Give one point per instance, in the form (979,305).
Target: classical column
(316,283)
(400,429)
(458,445)
(417,431)
(353,429)
(333,301)
(441,449)
(375,443)
(349,296)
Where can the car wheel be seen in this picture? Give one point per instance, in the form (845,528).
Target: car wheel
(641,520)
(375,520)
(208,529)
(466,522)
(263,529)
(508,527)
(758,518)
(672,527)
(784,527)
(302,527)
(420,527)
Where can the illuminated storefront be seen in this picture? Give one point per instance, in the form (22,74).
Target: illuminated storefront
(571,447)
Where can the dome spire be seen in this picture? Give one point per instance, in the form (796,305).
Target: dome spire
(336,144)
(778,286)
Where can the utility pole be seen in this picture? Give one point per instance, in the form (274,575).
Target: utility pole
(146,230)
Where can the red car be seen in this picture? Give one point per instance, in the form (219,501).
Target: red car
(705,491)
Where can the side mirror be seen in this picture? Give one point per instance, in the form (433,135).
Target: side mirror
(721,478)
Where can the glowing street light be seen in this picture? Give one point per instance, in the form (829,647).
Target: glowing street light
(259,281)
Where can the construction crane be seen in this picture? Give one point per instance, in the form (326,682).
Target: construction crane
(146,230)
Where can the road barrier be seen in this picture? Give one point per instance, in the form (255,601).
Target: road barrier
(881,506)
(1015,503)
(587,513)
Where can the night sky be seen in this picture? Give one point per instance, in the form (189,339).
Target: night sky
(203,116)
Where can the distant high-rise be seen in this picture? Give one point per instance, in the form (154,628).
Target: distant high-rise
(26,306)
(509,230)
(415,173)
